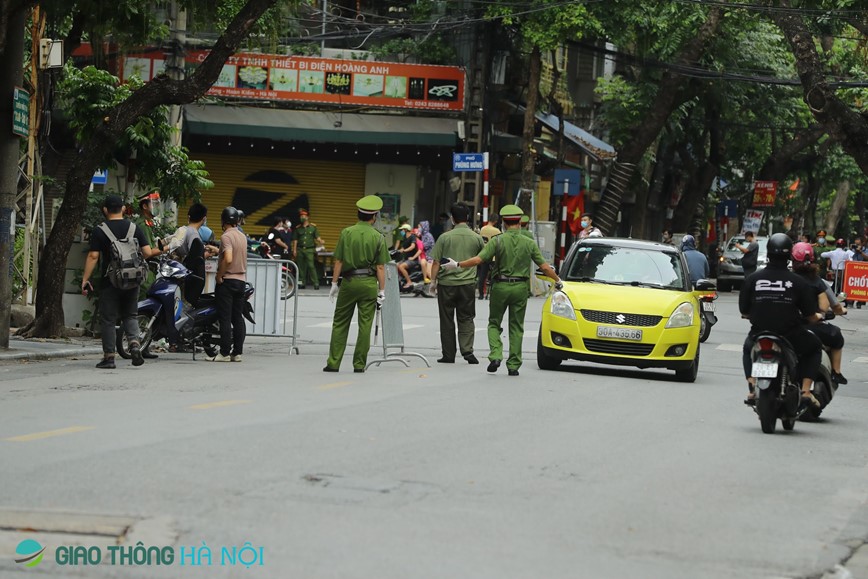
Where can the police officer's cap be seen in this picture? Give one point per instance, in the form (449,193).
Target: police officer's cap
(370,204)
(525,219)
(511,212)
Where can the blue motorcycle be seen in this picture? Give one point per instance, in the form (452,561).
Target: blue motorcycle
(196,321)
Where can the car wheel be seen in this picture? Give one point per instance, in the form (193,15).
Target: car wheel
(689,374)
(544,360)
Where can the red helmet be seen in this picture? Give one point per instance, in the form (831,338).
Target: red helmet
(840,243)
(803,252)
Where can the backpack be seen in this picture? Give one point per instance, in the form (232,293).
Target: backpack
(126,269)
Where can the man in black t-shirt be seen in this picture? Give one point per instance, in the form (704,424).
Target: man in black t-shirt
(751,253)
(114,303)
(779,301)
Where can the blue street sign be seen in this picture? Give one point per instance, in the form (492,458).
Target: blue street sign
(573,178)
(100,177)
(464,162)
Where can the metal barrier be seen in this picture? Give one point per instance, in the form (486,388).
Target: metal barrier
(275,283)
(392,323)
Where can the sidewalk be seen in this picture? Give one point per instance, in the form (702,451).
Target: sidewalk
(44,349)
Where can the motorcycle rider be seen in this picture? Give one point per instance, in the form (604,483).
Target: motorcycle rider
(779,301)
(697,263)
(829,334)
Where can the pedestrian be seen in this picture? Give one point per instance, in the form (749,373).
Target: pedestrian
(398,235)
(588,229)
(513,252)
(114,302)
(525,224)
(750,253)
(360,257)
(231,279)
(145,220)
(455,288)
(838,258)
(667,237)
(427,245)
(488,231)
(819,247)
(275,239)
(305,240)
(697,263)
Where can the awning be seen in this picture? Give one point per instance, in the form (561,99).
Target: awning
(319,127)
(596,148)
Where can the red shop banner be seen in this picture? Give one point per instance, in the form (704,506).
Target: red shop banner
(321,80)
(856,281)
(764,193)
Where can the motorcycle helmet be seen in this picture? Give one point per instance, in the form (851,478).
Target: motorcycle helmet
(840,243)
(780,246)
(230,216)
(688,242)
(803,252)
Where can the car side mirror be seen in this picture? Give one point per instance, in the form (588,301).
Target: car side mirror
(705,285)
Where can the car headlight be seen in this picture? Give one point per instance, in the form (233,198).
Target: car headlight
(725,260)
(562,306)
(682,317)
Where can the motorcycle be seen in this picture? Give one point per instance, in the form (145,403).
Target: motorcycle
(707,318)
(774,366)
(419,287)
(197,326)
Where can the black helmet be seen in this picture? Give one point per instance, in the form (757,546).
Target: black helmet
(230,216)
(780,245)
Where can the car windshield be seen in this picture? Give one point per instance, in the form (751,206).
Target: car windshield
(627,266)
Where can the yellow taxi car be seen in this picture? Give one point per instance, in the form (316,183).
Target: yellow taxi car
(625,302)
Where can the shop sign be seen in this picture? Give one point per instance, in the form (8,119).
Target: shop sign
(322,80)
(20,112)
(764,193)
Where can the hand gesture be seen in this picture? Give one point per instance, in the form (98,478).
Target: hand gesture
(381,297)
(559,285)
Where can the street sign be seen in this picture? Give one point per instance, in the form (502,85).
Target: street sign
(855,283)
(100,177)
(20,112)
(572,178)
(468,162)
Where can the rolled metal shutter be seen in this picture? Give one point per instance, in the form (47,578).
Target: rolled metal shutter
(332,189)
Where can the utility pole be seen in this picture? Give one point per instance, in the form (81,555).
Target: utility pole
(11,74)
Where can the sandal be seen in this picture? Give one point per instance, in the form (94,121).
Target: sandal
(751,395)
(809,398)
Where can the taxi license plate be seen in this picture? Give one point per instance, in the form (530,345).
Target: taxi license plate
(707,306)
(760,370)
(620,333)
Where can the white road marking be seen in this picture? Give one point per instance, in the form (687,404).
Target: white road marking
(729,347)
(861,360)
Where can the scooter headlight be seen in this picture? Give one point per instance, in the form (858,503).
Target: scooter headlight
(166,270)
(682,317)
(561,306)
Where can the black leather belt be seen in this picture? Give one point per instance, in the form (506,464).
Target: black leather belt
(503,278)
(356,273)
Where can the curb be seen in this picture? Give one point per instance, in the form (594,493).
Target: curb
(18,354)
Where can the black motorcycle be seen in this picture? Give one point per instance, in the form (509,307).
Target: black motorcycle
(418,285)
(774,367)
(197,326)
(707,315)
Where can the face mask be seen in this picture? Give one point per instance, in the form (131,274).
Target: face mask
(302,219)
(821,240)
(584,223)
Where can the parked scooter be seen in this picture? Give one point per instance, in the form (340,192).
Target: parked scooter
(197,326)
(287,279)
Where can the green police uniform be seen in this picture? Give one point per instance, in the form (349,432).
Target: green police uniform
(514,253)
(360,249)
(455,289)
(305,256)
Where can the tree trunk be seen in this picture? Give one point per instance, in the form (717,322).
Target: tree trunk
(161,90)
(780,162)
(666,100)
(528,154)
(11,76)
(839,206)
(844,124)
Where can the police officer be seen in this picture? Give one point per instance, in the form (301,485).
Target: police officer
(305,238)
(525,224)
(455,288)
(513,252)
(780,301)
(360,256)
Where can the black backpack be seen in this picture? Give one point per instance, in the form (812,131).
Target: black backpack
(127,268)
